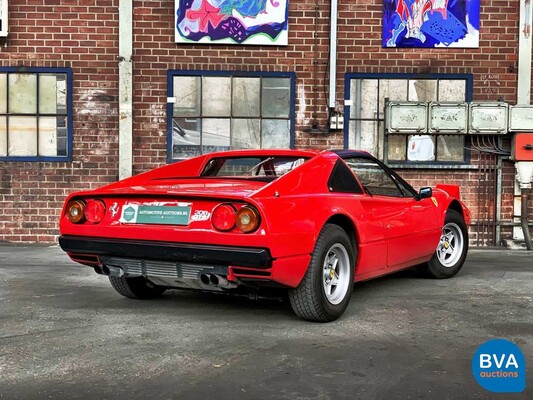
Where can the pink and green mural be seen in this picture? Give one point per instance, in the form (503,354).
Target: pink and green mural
(431,23)
(262,22)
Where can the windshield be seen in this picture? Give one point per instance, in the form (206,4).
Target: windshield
(251,167)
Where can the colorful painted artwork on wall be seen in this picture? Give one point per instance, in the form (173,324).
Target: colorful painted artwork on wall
(431,23)
(262,22)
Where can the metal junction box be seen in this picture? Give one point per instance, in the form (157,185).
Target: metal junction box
(523,147)
(488,118)
(407,117)
(448,118)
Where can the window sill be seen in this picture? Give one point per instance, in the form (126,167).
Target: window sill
(431,166)
(36,159)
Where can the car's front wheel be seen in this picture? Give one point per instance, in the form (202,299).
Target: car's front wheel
(136,288)
(451,251)
(327,286)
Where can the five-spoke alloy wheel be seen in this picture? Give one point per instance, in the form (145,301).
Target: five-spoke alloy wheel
(326,289)
(451,251)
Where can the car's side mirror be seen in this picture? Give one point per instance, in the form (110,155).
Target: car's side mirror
(425,193)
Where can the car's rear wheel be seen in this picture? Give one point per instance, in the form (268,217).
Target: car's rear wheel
(136,288)
(327,286)
(451,251)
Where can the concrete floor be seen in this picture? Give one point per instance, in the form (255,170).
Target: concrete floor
(66,334)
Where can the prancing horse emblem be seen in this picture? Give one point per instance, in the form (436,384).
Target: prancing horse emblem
(114,209)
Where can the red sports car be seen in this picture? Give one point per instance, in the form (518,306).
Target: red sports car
(239,221)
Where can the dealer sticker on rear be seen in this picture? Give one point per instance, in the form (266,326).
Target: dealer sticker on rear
(167,215)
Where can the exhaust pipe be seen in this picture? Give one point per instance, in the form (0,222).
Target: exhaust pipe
(205,279)
(98,270)
(109,270)
(221,282)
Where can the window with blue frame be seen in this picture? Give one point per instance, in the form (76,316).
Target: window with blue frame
(212,111)
(35,114)
(366,95)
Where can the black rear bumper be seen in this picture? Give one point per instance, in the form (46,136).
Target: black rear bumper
(168,251)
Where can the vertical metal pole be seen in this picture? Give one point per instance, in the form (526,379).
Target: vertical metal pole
(333,55)
(525,42)
(523,90)
(125,88)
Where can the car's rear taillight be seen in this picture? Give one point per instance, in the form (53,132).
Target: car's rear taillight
(94,211)
(247,219)
(75,211)
(223,217)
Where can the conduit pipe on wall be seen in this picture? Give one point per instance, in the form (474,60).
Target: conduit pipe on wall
(524,219)
(125,90)
(332,56)
(523,96)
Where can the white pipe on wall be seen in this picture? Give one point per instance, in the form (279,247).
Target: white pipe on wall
(125,89)
(333,55)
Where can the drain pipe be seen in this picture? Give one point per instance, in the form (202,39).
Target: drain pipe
(523,218)
(523,96)
(333,57)
(524,176)
(125,90)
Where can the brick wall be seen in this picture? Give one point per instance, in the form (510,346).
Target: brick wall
(84,35)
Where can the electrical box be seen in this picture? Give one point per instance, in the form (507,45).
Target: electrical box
(448,118)
(336,121)
(523,147)
(407,117)
(488,118)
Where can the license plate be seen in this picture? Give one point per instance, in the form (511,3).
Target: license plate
(163,215)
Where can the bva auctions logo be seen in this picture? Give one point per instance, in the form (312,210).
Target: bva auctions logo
(499,366)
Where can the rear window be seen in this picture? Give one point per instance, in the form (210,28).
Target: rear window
(251,167)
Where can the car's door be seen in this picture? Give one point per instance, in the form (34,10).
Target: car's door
(410,223)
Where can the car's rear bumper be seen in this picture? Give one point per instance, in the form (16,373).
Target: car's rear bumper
(166,251)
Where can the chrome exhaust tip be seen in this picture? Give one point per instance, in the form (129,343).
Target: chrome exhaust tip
(113,271)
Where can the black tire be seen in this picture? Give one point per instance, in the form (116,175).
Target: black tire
(451,251)
(136,288)
(310,300)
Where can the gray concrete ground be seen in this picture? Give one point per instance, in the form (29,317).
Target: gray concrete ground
(66,334)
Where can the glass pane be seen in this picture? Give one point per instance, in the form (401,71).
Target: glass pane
(423,90)
(396,150)
(22,136)
(421,148)
(369,98)
(62,123)
(452,90)
(451,148)
(369,137)
(245,134)
(374,178)
(23,93)
(186,90)
(276,97)
(275,134)
(47,136)
(216,96)
(180,152)
(186,131)
(215,134)
(393,89)
(3,93)
(245,97)
(48,91)
(3,137)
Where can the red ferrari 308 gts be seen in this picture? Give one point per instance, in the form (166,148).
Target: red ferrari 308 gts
(238,221)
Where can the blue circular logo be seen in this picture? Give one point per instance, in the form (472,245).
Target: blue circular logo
(499,366)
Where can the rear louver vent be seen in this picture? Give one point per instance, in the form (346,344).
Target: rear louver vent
(343,180)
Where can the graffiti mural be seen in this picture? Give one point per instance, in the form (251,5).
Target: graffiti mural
(431,23)
(232,21)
